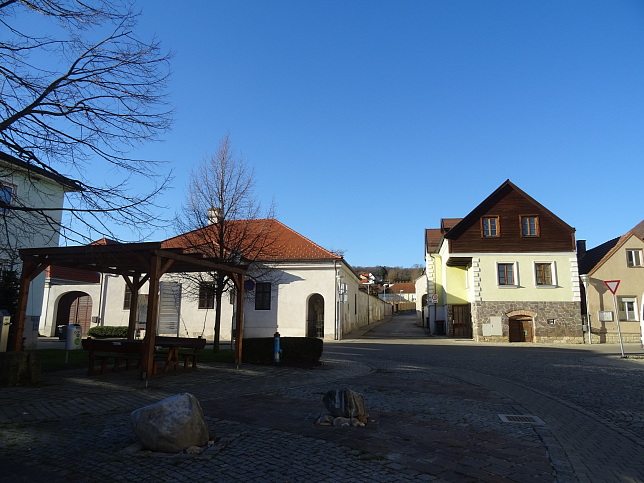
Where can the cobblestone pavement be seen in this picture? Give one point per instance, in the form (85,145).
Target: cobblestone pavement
(434,408)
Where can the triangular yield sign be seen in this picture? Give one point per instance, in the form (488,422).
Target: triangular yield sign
(612,285)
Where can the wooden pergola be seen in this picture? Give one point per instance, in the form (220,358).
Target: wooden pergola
(137,263)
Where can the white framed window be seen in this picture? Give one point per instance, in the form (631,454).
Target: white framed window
(507,274)
(627,308)
(634,258)
(545,274)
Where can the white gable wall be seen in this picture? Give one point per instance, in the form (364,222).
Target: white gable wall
(29,230)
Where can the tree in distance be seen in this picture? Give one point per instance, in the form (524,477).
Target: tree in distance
(223,220)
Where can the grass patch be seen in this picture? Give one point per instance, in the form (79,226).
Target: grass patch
(207,356)
(52,360)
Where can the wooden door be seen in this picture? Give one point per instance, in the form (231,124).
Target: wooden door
(80,311)
(462,321)
(520,329)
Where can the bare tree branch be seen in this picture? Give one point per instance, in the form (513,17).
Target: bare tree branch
(75,102)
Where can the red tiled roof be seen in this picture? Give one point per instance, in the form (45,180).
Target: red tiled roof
(260,240)
(105,241)
(404,287)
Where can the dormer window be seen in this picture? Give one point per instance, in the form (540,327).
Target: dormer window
(530,226)
(490,226)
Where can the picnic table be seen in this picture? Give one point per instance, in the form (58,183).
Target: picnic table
(171,354)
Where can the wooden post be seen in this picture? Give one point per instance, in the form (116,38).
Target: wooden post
(30,270)
(134,303)
(147,366)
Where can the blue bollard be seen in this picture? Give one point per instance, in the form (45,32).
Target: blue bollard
(277,347)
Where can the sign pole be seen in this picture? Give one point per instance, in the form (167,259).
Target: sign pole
(619,332)
(612,286)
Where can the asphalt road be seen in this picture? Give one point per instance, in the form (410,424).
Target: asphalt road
(591,399)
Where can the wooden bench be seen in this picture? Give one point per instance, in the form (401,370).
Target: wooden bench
(180,349)
(120,354)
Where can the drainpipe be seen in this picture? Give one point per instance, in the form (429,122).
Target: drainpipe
(336,299)
(100,298)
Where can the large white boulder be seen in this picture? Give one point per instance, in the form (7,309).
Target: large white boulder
(171,425)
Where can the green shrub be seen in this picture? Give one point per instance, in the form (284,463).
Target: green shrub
(106,331)
(295,350)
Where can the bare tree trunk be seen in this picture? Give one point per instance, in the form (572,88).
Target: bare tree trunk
(218,297)
(219,292)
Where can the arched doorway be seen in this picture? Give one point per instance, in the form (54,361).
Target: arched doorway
(315,316)
(75,308)
(520,329)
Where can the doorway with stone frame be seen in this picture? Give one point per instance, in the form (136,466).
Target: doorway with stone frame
(521,327)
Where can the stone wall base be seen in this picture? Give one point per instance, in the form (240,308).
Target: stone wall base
(552,322)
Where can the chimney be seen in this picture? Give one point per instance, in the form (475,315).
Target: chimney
(581,248)
(214,215)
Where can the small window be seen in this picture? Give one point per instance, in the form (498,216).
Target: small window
(529,226)
(207,295)
(634,258)
(127,298)
(490,226)
(506,274)
(263,296)
(627,308)
(7,194)
(544,273)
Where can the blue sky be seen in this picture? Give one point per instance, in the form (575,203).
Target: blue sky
(369,121)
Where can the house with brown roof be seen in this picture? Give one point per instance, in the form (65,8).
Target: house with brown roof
(506,272)
(294,287)
(620,259)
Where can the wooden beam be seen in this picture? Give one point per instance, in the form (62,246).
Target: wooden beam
(201,263)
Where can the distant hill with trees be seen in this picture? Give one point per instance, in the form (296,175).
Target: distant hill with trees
(391,274)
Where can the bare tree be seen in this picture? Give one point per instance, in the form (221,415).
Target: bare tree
(223,219)
(76,100)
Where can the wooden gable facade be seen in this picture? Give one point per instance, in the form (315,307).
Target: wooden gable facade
(506,208)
